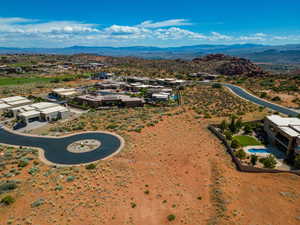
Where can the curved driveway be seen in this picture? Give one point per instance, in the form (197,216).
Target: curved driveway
(55,149)
(246,95)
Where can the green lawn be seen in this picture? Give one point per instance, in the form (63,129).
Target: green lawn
(246,140)
(23,80)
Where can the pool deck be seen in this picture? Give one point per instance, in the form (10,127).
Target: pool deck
(280,156)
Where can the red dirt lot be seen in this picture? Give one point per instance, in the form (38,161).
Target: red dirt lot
(176,167)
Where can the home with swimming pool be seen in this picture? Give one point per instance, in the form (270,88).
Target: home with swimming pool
(284,133)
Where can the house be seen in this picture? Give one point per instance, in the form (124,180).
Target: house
(30,116)
(14,101)
(284,133)
(62,93)
(54,113)
(132,102)
(4,107)
(102,76)
(42,111)
(13,112)
(89,100)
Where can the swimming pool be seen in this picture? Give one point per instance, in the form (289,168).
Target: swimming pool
(259,150)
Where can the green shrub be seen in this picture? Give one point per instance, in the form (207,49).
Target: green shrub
(23,163)
(90,166)
(7,186)
(241,154)
(37,203)
(235,144)
(247,129)
(253,159)
(269,162)
(276,99)
(216,85)
(133,205)
(70,178)
(228,135)
(171,217)
(33,171)
(8,200)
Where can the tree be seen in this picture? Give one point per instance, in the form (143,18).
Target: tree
(216,85)
(232,126)
(8,200)
(228,135)
(235,144)
(269,162)
(247,129)
(223,126)
(254,159)
(241,154)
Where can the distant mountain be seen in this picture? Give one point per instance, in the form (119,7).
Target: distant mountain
(254,52)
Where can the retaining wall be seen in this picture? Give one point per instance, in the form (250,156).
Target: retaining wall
(237,162)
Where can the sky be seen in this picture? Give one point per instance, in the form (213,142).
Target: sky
(161,23)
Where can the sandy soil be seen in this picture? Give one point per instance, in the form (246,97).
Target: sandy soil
(177,167)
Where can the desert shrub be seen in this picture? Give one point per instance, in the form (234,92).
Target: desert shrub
(263,95)
(7,186)
(70,178)
(58,188)
(216,85)
(253,159)
(37,203)
(90,166)
(33,171)
(171,217)
(269,162)
(241,154)
(8,200)
(276,99)
(23,163)
(133,205)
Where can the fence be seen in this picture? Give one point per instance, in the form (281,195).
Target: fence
(237,162)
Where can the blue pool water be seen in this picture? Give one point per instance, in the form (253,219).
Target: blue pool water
(259,150)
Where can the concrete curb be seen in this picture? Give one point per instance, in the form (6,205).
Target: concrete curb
(42,152)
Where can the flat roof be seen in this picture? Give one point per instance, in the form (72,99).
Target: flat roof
(282,121)
(58,90)
(43,105)
(289,131)
(30,113)
(54,109)
(296,128)
(24,107)
(68,93)
(13,99)
(24,101)
(4,106)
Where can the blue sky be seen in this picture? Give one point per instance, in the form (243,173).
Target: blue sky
(35,23)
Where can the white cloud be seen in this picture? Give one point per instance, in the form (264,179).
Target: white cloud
(165,23)
(23,32)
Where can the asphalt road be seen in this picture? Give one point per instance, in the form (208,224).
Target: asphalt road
(243,94)
(55,149)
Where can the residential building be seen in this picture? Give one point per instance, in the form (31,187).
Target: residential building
(284,133)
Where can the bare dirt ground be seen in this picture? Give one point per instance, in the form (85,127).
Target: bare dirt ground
(176,167)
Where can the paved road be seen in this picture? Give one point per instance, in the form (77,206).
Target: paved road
(244,94)
(55,149)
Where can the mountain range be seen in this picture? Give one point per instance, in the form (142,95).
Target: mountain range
(258,53)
